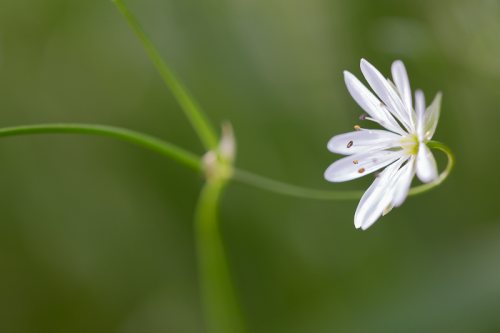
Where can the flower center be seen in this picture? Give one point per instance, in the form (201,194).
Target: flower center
(410,144)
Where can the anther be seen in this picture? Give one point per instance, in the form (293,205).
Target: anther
(382,105)
(362,117)
(349,144)
(361,170)
(355,161)
(357,128)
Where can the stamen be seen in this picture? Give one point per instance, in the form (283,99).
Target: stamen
(387,210)
(374,120)
(363,116)
(349,144)
(357,127)
(355,161)
(361,170)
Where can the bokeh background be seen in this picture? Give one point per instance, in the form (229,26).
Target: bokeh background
(97,235)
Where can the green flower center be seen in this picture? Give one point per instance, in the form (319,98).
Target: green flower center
(410,144)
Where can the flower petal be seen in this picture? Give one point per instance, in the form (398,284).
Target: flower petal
(400,77)
(359,165)
(386,93)
(432,117)
(377,198)
(420,110)
(426,164)
(405,177)
(363,140)
(371,104)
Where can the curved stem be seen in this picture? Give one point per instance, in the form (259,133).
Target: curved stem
(446,172)
(275,186)
(193,112)
(164,148)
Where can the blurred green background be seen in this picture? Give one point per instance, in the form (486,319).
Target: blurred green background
(96,235)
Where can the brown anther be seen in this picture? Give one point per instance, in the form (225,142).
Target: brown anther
(357,128)
(362,117)
(355,161)
(361,170)
(349,144)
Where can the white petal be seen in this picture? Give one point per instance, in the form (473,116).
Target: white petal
(371,104)
(400,77)
(405,177)
(377,198)
(385,92)
(359,165)
(420,110)
(426,164)
(432,117)
(363,140)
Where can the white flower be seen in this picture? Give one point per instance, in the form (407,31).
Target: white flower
(400,148)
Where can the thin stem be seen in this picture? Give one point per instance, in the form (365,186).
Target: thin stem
(446,172)
(220,305)
(198,119)
(275,186)
(164,148)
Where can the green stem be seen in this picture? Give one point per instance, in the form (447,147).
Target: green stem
(446,172)
(164,148)
(193,112)
(275,186)
(222,312)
